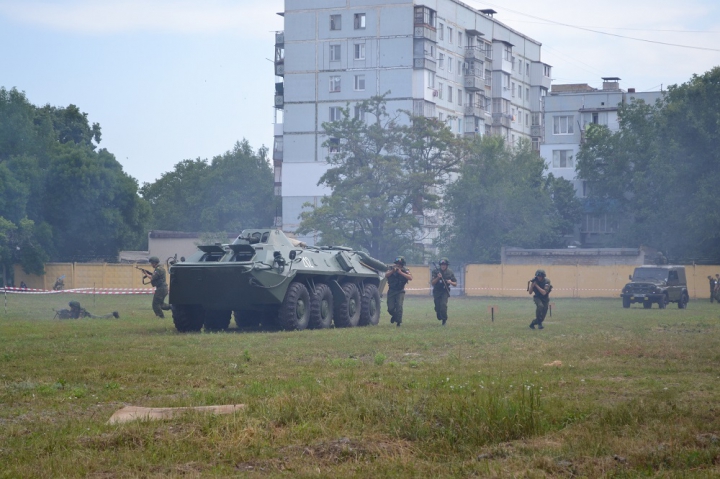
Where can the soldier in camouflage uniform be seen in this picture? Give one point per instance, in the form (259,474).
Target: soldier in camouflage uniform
(76,312)
(441,293)
(541,287)
(158,279)
(397,277)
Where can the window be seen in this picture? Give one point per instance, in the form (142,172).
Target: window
(359,82)
(512,88)
(459,39)
(527,94)
(563,125)
(527,119)
(595,117)
(527,69)
(563,159)
(335,83)
(335,22)
(335,113)
(440,116)
(507,53)
(450,34)
(359,113)
(359,21)
(441,60)
(546,70)
(460,125)
(431,79)
(536,144)
(460,68)
(334,53)
(359,51)
(459,96)
(425,16)
(450,93)
(440,90)
(450,64)
(536,118)
(441,32)
(333,145)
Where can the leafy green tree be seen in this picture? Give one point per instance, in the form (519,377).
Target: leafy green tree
(385,173)
(231,192)
(18,245)
(501,198)
(657,176)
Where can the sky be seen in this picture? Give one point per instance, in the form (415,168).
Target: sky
(175,80)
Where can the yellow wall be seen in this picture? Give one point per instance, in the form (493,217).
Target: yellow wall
(569,281)
(480,279)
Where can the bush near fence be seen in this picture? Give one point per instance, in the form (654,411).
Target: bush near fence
(480,279)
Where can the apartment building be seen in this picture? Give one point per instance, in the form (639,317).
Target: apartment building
(568,110)
(437,58)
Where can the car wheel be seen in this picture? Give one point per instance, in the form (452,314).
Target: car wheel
(682,304)
(626,302)
(647,304)
(663,302)
(321,307)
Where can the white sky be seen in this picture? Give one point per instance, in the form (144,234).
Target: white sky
(172,80)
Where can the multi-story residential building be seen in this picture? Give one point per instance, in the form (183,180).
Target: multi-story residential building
(437,58)
(568,110)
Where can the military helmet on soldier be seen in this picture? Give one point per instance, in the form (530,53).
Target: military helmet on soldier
(540,272)
(154,260)
(400,260)
(444,260)
(74,305)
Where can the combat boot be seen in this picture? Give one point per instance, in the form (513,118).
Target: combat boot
(532,325)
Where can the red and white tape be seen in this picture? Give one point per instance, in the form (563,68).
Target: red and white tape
(15,290)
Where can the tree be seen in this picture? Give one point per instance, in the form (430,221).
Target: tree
(384,174)
(657,176)
(232,192)
(502,199)
(18,245)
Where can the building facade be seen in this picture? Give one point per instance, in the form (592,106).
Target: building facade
(436,58)
(567,112)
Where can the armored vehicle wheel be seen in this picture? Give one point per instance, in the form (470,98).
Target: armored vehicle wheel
(187,317)
(370,306)
(217,320)
(347,313)
(647,304)
(626,302)
(682,304)
(321,307)
(663,302)
(246,319)
(295,309)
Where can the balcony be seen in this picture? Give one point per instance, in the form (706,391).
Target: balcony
(473,80)
(501,119)
(280,68)
(424,63)
(425,31)
(279,101)
(279,38)
(537,130)
(475,53)
(475,109)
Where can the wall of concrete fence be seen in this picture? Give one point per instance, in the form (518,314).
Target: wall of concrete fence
(479,279)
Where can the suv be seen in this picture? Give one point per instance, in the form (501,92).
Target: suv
(656,284)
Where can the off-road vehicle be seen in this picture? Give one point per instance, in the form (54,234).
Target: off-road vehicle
(266,279)
(656,284)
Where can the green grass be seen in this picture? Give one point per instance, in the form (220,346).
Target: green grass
(636,393)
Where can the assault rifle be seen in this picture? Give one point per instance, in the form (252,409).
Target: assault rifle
(145,273)
(442,278)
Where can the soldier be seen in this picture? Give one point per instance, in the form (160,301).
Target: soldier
(441,282)
(76,311)
(157,279)
(397,277)
(713,283)
(541,287)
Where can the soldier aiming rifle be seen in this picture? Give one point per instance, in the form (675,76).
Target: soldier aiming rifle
(147,275)
(442,279)
(158,279)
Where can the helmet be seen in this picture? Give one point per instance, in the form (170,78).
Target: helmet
(540,272)
(154,259)
(74,304)
(401,260)
(444,260)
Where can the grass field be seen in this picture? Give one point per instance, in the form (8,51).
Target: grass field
(602,391)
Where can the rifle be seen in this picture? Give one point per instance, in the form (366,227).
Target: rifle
(145,273)
(442,278)
(531,289)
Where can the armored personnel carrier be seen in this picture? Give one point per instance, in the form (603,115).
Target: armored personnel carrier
(266,279)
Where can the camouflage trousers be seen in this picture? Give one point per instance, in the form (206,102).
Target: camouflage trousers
(395,301)
(541,308)
(441,304)
(158,302)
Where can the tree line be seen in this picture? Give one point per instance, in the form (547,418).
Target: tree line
(63,199)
